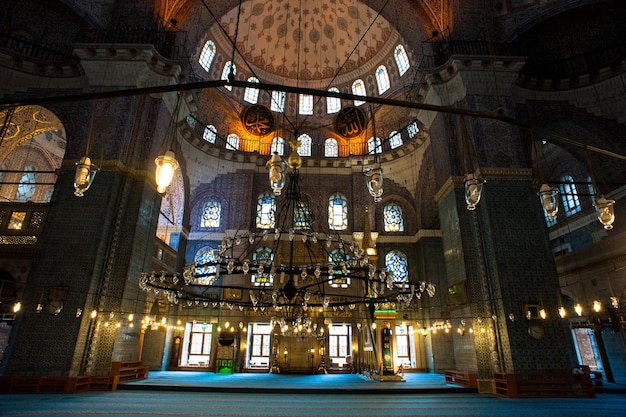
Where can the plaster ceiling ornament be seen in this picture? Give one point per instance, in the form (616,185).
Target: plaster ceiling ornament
(307,40)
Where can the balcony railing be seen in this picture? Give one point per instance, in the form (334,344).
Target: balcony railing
(41,52)
(164,41)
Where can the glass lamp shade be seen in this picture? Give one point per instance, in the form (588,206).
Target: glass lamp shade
(547,195)
(473,190)
(375,182)
(606,214)
(85,173)
(276,167)
(166,165)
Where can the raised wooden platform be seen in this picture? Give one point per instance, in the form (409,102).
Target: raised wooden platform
(463,378)
(122,371)
(543,384)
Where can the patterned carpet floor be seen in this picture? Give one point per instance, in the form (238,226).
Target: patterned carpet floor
(192,404)
(192,394)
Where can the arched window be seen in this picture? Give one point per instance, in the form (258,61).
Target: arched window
(306,104)
(226,71)
(333,104)
(395,140)
(592,191)
(358,89)
(278,145)
(278,101)
(26,187)
(412,130)
(340,259)
(382,79)
(569,195)
(207,55)
(205,274)
(265,211)
(396,263)
(251,95)
(305,145)
(402,59)
(302,217)
(210,133)
(374,146)
(211,213)
(392,216)
(191,121)
(331,148)
(337,212)
(232,142)
(262,278)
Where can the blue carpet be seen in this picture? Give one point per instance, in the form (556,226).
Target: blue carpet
(150,403)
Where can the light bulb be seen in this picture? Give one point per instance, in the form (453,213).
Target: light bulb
(166,165)
(578,309)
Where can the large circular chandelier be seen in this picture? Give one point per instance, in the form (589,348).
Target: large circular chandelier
(288,271)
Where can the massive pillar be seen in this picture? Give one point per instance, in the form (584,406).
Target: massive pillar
(96,246)
(500,268)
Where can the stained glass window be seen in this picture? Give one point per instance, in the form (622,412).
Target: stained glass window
(251,95)
(226,71)
(207,55)
(278,145)
(569,195)
(374,146)
(232,142)
(210,134)
(337,212)
(262,279)
(412,130)
(339,258)
(306,104)
(305,145)
(382,79)
(265,211)
(397,264)
(333,104)
(358,89)
(302,214)
(26,187)
(402,59)
(331,148)
(392,215)
(204,255)
(395,140)
(211,213)
(278,101)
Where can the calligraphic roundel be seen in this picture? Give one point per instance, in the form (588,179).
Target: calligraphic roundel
(258,120)
(350,122)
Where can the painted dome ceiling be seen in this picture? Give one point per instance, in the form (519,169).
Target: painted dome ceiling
(313,42)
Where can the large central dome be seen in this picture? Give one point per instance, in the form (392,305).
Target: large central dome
(310,43)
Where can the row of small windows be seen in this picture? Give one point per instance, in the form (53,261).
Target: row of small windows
(395,262)
(331,146)
(569,197)
(211,214)
(333,104)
